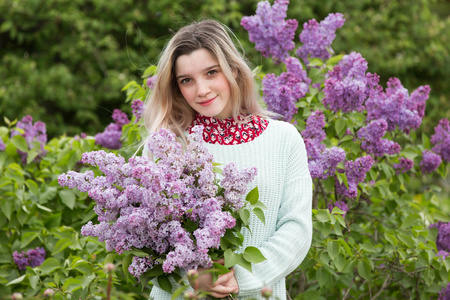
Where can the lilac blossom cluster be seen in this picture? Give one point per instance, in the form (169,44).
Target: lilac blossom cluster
(147,203)
(2,145)
(32,132)
(372,141)
(396,106)
(430,161)
(443,238)
(110,138)
(268,29)
(138,109)
(441,139)
(317,37)
(282,92)
(403,166)
(322,162)
(339,204)
(33,258)
(356,172)
(347,85)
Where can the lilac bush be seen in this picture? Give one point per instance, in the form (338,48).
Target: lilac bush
(356,172)
(149,203)
(404,165)
(2,145)
(268,29)
(316,37)
(138,109)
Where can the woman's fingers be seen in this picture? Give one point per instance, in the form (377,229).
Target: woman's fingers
(222,291)
(224,278)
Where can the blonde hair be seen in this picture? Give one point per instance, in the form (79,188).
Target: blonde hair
(165,106)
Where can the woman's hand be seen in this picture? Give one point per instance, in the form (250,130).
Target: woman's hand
(224,285)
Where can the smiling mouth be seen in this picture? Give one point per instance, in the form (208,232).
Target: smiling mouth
(207,102)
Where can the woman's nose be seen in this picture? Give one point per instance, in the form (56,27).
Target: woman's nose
(203,88)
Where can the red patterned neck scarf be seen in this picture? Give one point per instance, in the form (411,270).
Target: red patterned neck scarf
(228,131)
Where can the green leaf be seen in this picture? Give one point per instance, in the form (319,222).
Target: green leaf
(333,249)
(179,291)
(231,258)
(367,246)
(17,280)
(68,198)
(391,238)
(28,237)
(322,276)
(164,283)
(220,269)
(109,258)
(410,221)
(323,215)
(246,264)
(245,215)
(340,262)
(61,245)
(441,216)
(126,262)
(341,127)
(260,205)
(6,207)
(253,255)
(49,265)
(253,196)
(407,240)
(260,214)
(34,279)
(20,143)
(364,270)
(87,279)
(425,141)
(155,271)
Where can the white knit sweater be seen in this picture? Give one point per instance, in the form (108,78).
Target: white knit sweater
(285,187)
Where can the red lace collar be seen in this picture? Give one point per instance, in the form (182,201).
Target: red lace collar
(228,131)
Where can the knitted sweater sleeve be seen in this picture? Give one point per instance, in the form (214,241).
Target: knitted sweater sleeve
(288,246)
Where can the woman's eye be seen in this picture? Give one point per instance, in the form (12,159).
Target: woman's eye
(212,72)
(185,80)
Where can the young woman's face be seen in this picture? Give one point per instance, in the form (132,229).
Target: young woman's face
(203,84)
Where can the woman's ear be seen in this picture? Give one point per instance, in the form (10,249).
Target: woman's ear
(235,72)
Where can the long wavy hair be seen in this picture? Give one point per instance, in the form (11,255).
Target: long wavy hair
(166,107)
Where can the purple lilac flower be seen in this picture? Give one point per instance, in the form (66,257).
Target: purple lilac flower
(317,37)
(144,203)
(32,133)
(110,138)
(2,145)
(348,85)
(151,81)
(444,294)
(443,238)
(268,29)
(372,142)
(441,139)
(322,162)
(282,92)
(33,258)
(138,109)
(396,106)
(356,172)
(340,204)
(430,162)
(404,165)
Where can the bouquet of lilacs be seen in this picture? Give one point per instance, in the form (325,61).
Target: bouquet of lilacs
(169,212)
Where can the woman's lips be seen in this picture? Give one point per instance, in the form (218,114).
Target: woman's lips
(207,102)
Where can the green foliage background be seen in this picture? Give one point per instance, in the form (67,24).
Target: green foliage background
(65,62)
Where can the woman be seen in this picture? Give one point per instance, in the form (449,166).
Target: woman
(203,80)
